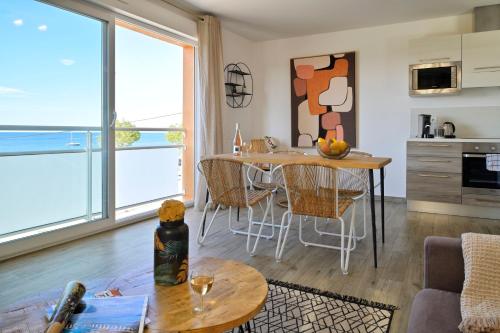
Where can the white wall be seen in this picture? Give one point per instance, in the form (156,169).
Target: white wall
(470,121)
(240,49)
(383,104)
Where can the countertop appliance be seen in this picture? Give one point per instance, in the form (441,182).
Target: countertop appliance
(424,126)
(474,172)
(436,78)
(449,130)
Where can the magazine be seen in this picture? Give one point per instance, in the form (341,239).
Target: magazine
(124,314)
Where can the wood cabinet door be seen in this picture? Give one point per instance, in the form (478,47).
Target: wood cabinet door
(481,59)
(434,49)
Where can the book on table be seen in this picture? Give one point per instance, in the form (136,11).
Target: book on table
(124,314)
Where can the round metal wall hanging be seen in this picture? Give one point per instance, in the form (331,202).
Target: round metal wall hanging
(239,85)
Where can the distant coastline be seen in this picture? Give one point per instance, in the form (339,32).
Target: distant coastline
(43,141)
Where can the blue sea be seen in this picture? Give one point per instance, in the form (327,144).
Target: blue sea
(43,141)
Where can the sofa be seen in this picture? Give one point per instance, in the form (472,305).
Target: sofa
(436,308)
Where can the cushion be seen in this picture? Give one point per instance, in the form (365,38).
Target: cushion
(435,311)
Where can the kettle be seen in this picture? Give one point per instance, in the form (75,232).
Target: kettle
(449,129)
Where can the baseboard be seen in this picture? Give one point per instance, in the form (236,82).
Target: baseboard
(453,209)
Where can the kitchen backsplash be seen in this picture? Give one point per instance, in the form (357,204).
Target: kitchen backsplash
(470,122)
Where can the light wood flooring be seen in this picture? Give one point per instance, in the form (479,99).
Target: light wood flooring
(120,251)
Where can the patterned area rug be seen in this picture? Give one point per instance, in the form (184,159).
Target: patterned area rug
(294,308)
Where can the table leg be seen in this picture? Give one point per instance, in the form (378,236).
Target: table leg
(238,214)
(382,205)
(205,219)
(374,226)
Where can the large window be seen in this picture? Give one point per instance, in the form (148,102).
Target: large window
(51,116)
(66,67)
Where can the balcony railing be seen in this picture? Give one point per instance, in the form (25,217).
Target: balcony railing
(53,174)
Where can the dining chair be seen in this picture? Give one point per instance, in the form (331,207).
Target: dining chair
(351,186)
(274,180)
(356,190)
(227,186)
(313,190)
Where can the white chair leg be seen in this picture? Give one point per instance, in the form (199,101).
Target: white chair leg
(201,238)
(351,236)
(259,234)
(342,249)
(281,243)
(364,219)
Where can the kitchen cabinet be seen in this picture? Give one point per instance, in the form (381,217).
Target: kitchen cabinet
(434,172)
(434,186)
(481,59)
(435,49)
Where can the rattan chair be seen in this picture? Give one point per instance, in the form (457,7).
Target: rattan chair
(227,187)
(258,146)
(313,190)
(352,187)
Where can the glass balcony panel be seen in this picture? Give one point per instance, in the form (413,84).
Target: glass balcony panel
(144,175)
(45,178)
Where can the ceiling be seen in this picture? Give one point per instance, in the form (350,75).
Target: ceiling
(274,19)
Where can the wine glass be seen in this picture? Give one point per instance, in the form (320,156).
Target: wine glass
(201,281)
(244,148)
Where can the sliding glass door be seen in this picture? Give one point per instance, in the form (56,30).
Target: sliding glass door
(53,111)
(80,141)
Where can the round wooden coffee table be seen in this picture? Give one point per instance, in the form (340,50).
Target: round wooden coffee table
(238,294)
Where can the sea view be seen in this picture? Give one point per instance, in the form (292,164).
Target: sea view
(23,141)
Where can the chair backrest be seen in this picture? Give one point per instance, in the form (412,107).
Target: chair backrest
(312,190)
(348,182)
(258,146)
(225,181)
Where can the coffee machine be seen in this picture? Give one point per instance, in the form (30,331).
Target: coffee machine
(424,126)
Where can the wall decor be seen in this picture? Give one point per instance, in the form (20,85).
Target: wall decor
(239,85)
(323,99)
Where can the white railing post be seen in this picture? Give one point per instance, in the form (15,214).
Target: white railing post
(89,175)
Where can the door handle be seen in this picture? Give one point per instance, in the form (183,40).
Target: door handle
(432,145)
(113,120)
(474,155)
(486,67)
(433,59)
(432,176)
(435,161)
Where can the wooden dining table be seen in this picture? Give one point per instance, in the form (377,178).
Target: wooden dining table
(352,161)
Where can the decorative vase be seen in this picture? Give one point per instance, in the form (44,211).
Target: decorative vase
(171,246)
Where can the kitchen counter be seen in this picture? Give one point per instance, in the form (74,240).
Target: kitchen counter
(479,140)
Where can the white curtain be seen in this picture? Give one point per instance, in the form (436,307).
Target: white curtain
(211,95)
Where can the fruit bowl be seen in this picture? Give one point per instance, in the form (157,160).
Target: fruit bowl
(334,156)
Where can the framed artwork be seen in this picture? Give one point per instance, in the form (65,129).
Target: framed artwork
(323,99)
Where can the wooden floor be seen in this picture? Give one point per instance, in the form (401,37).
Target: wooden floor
(396,281)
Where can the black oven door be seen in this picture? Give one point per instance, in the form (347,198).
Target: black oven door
(475,174)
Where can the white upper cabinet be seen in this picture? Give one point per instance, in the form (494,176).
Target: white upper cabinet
(435,49)
(481,59)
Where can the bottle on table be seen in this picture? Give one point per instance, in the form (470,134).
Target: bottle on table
(237,142)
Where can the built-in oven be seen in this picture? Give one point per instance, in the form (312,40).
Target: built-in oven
(436,78)
(475,173)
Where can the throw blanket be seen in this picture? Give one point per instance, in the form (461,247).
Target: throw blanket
(480,300)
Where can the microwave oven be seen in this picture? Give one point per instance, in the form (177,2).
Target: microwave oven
(437,78)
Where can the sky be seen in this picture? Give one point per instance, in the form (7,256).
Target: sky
(51,70)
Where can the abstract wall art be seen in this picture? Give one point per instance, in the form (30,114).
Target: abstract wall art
(323,99)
